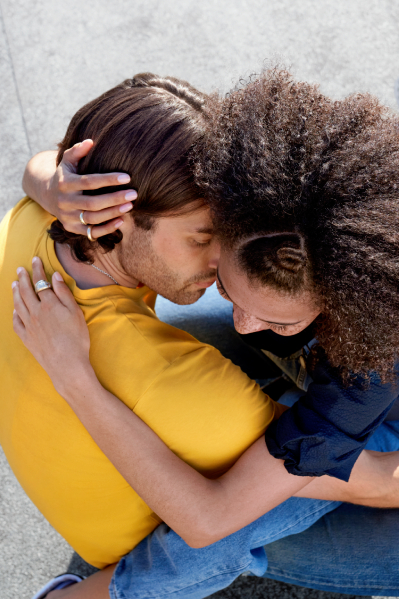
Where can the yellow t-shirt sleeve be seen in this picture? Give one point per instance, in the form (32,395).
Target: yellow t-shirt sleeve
(206,410)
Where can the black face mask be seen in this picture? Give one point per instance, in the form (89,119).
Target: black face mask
(280,345)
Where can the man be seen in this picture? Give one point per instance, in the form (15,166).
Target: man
(55,460)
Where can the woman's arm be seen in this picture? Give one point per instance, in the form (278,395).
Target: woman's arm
(59,190)
(200,510)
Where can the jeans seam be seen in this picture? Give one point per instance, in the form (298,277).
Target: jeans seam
(326,581)
(170,593)
(261,542)
(115,592)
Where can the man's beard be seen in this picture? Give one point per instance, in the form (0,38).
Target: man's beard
(139,260)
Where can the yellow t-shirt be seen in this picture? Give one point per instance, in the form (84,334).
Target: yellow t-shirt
(203,407)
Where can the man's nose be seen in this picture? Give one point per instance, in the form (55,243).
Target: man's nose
(245,323)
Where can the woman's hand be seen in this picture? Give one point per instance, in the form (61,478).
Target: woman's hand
(52,326)
(60,191)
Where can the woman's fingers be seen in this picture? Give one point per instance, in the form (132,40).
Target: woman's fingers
(73,182)
(19,304)
(96,230)
(102,216)
(38,274)
(107,210)
(26,290)
(63,292)
(78,202)
(77,152)
(18,326)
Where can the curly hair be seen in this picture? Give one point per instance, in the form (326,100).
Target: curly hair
(305,191)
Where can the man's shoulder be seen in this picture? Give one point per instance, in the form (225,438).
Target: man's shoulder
(27,212)
(131,347)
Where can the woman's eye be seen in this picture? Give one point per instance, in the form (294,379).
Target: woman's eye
(280,328)
(221,290)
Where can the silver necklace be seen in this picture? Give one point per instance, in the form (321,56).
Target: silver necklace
(105,273)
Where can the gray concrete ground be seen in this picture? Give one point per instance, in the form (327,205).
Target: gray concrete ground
(55,56)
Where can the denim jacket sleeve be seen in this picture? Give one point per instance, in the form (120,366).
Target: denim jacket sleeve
(327,428)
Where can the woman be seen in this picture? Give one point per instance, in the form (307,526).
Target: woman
(279,265)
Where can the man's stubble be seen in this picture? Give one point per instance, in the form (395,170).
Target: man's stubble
(138,258)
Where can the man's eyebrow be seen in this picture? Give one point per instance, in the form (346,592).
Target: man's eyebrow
(204,230)
(282,324)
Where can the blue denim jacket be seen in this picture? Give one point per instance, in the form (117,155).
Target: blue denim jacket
(327,428)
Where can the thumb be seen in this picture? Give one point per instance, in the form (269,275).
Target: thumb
(77,152)
(62,291)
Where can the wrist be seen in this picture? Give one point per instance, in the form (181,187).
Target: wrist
(72,386)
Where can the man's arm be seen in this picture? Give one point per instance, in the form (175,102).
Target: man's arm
(60,191)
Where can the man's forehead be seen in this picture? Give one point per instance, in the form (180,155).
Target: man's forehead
(194,221)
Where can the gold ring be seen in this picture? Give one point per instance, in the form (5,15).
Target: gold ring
(82,220)
(41,286)
(88,233)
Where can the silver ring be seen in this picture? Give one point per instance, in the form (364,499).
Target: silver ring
(82,220)
(88,233)
(41,286)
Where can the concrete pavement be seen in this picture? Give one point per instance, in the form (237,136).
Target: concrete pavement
(55,56)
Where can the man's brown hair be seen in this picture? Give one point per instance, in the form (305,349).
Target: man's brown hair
(146,127)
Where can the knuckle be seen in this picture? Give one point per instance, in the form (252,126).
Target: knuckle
(94,205)
(34,318)
(62,186)
(62,215)
(89,204)
(62,203)
(88,182)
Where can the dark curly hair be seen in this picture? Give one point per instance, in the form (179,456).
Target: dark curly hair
(305,191)
(146,127)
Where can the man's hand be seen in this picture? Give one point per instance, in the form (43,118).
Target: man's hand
(60,191)
(51,326)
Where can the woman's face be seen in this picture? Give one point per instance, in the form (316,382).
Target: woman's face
(259,308)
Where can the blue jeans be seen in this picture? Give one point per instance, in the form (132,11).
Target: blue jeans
(340,548)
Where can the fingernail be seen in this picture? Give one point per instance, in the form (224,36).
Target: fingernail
(14,311)
(77,145)
(19,270)
(14,284)
(58,277)
(35,259)
(125,207)
(131,195)
(123,178)
(118,223)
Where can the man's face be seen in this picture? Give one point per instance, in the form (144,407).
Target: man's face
(257,308)
(177,258)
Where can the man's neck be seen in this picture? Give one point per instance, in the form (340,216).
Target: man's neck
(87,277)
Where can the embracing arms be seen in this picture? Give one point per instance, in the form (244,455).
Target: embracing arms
(201,510)
(61,191)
